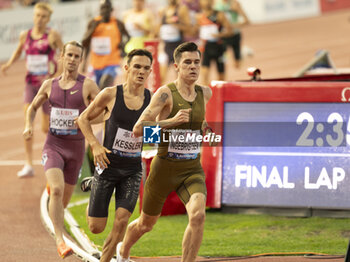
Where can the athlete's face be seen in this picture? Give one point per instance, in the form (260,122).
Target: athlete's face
(188,67)
(106,10)
(41,17)
(72,57)
(138,70)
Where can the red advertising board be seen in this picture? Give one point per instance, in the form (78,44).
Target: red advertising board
(331,5)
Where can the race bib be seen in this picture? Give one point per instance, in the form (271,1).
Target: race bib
(183,144)
(208,32)
(133,30)
(126,144)
(101,45)
(62,121)
(170,33)
(37,64)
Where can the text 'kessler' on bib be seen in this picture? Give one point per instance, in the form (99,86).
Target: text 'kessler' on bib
(62,121)
(126,144)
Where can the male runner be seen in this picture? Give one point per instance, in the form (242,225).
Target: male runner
(64,149)
(118,161)
(105,38)
(40,44)
(180,106)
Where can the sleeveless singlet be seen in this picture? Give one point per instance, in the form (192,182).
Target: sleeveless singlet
(39,58)
(169,32)
(187,150)
(65,106)
(208,27)
(126,149)
(105,44)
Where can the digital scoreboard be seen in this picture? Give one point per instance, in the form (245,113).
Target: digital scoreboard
(285,144)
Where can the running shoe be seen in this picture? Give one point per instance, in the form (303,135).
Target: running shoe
(64,250)
(26,171)
(86,183)
(119,257)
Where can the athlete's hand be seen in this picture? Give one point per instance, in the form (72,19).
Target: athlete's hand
(28,133)
(100,155)
(182,116)
(4,68)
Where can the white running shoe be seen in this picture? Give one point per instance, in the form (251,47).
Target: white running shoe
(26,171)
(119,257)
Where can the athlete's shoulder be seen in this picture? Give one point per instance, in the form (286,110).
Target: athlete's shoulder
(207,92)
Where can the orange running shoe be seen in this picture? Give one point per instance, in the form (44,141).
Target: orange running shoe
(48,188)
(64,250)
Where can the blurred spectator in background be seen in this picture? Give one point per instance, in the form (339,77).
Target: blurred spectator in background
(238,18)
(105,40)
(139,23)
(213,26)
(193,8)
(175,21)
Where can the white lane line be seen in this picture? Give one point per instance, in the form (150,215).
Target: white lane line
(78,203)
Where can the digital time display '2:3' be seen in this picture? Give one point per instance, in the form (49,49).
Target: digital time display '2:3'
(333,128)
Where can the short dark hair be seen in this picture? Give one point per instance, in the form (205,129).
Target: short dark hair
(139,52)
(185,47)
(75,43)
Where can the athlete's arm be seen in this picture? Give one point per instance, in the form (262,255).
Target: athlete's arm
(39,99)
(98,107)
(16,54)
(236,6)
(227,27)
(90,91)
(160,100)
(56,42)
(86,41)
(206,129)
(185,21)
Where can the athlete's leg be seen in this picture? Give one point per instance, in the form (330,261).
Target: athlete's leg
(100,196)
(67,195)
(135,231)
(193,235)
(55,180)
(116,235)
(105,81)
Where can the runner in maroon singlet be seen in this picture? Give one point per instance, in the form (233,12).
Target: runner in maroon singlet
(63,152)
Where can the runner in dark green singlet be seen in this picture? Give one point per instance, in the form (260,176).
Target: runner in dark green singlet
(179,109)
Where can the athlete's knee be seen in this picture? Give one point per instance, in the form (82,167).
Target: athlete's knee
(145,225)
(56,191)
(96,228)
(197,218)
(121,222)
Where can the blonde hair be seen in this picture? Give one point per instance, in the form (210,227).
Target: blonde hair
(45,6)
